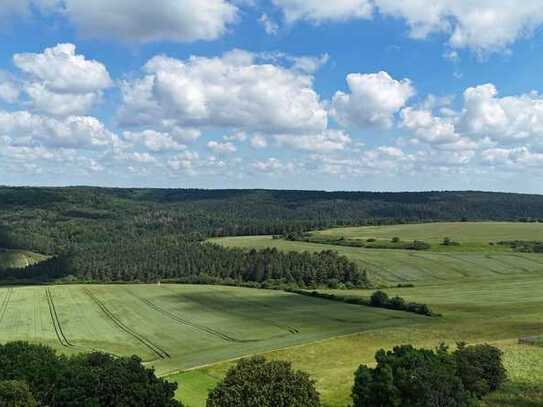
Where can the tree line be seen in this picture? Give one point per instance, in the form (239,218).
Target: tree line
(101,234)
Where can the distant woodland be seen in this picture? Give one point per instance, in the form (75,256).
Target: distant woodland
(97,234)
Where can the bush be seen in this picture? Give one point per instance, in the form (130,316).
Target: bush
(257,383)
(379,299)
(409,377)
(418,245)
(481,368)
(94,379)
(395,240)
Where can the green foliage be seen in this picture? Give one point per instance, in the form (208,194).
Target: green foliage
(15,393)
(93,379)
(481,368)
(257,383)
(409,377)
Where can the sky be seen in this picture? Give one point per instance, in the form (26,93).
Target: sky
(382,95)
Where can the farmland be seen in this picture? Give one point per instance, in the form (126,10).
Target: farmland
(178,327)
(485,293)
(191,333)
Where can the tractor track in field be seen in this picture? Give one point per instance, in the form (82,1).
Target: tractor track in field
(179,320)
(156,349)
(5,303)
(56,321)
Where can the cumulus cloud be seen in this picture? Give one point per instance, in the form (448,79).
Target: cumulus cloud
(504,127)
(318,10)
(270,26)
(136,20)
(484,25)
(373,100)
(259,141)
(24,129)
(59,82)
(9,91)
(272,166)
(221,148)
(328,140)
(154,141)
(502,119)
(230,92)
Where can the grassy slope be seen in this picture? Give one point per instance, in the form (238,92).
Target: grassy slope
(19,258)
(475,312)
(193,325)
(420,267)
(486,294)
(472,232)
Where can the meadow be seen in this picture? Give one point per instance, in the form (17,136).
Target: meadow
(487,294)
(18,258)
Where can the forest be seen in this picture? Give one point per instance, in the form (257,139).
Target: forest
(98,234)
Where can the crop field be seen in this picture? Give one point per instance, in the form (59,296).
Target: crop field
(486,293)
(18,258)
(178,327)
(498,312)
(464,232)
(387,266)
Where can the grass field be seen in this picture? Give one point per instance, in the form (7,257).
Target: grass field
(179,327)
(193,333)
(463,232)
(19,258)
(475,312)
(486,294)
(419,267)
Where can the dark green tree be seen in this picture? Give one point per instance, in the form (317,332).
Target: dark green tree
(409,377)
(257,383)
(481,368)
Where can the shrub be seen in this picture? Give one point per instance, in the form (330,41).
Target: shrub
(94,379)
(379,299)
(257,383)
(409,377)
(395,240)
(481,368)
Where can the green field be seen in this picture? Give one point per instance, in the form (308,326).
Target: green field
(19,258)
(470,232)
(177,327)
(386,266)
(192,334)
(486,294)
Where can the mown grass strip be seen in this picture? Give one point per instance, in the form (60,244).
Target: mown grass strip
(156,349)
(56,321)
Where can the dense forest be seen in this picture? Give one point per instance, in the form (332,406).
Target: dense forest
(99,234)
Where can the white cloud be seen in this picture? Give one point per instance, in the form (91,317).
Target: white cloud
(482,25)
(272,166)
(59,82)
(259,141)
(221,148)
(270,26)
(373,100)
(154,141)
(136,20)
(329,140)
(231,92)
(506,119)
(9,91)
(319,10)
(19,129)
(515,158)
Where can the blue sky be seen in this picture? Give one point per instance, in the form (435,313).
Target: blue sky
(343,95)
